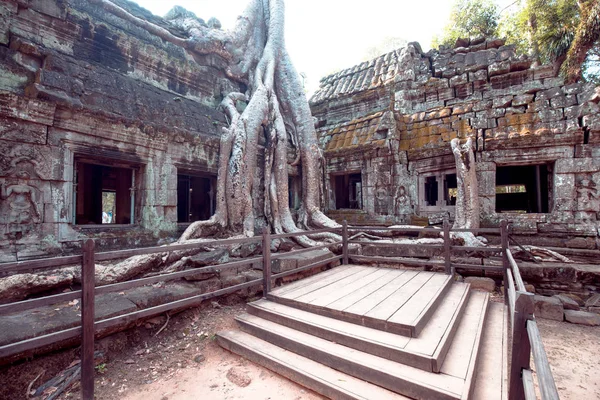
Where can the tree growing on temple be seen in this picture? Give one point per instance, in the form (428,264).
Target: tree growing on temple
(276,109)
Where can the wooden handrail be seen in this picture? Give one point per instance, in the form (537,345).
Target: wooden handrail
(547,386)
(515,270)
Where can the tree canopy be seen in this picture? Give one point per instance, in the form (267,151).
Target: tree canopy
(564,33)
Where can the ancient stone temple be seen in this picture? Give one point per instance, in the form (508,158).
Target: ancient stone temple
(386,125)
(106,130)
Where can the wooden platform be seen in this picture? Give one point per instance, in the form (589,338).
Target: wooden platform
(442,358)
(393,300)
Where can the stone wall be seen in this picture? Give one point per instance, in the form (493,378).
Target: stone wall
(77,82)
(517,114)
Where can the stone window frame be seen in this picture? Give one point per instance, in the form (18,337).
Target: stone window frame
(440,175)
(551,165)
(361,202)
(212,177)
(116,162)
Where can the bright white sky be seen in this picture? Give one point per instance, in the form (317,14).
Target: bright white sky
(324,36)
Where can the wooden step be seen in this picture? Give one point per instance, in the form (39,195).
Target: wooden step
(313,375)
(492,371)
(463,356)
(425,352)
(402,379)
(392,300)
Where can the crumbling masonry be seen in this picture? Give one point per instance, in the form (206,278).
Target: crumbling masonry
(109,132)
(386,125)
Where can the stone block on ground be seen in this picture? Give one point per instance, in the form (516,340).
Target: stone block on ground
(593,301)
(567,302)
(548,308)
(214,257)
(480,283)
(530,288)
(574,297)
(582,317)
(288,263)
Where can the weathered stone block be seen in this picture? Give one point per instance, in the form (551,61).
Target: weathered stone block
(582,317)
(548,308)
(480,283)
(567,302)
(593,301)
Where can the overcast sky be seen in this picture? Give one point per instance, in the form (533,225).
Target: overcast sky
(324,36)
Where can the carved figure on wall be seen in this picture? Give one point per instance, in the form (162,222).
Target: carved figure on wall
(21,201)
(587,194)
(381,201)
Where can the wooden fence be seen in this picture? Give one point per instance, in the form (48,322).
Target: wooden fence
(523,328)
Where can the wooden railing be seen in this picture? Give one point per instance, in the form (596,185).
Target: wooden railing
(523,328)
(89,327)
(447,247)
(526,340)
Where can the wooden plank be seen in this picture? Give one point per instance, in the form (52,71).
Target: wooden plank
(322,283)
(528,385)
(349,288)
(542,367)
(305,250)
(402,379)
(336,286)
(396,260)
(461,351)
(371,301)
(394,302)
(372,341)
(415,306)
(115,254)
(441,322)
(88,283)
(308,373)
(307,281)
(42,301)
(515,270)
(316,264)
(304,233)
(489,383)
(472,369)
(43,263)
(364,291)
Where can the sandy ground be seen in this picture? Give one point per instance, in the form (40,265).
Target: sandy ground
(184,362)
(574,355)
(210,382)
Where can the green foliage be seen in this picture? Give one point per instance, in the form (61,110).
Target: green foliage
(544,29)
(101,368)
(469,19)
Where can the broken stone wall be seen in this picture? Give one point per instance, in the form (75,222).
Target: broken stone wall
(77,82)
(517,114)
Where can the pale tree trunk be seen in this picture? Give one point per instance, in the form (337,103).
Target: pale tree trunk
(276,107)
(467,199)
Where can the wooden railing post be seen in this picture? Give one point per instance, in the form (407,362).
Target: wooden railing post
(266,250)
(345,242)
(88,283)
(521,347)
(447,243)
(505,262)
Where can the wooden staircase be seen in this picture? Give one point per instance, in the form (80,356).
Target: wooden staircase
(357,332)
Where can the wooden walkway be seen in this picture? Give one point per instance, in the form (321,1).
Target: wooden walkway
(357,332)
(394,300)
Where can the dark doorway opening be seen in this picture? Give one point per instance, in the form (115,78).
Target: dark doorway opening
(450,189)
(431,191)
(348,191)
(104,194)
(195,198)
(523,189)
